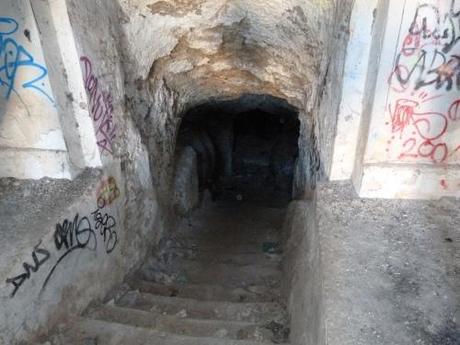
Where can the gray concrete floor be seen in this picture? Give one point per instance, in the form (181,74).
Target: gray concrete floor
(391,269)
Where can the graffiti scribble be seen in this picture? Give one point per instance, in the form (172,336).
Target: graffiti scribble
(425,77)
(39,256)
(15,58)
(101,108)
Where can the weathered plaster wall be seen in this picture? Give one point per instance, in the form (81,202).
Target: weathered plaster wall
(303,279)
(329,86)
(413,142)
(78,239)
(405,107)
(181,54)
(358,55)
(31,139)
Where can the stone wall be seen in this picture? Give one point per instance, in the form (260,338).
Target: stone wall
(182,54)
(303,278)
(65,244)
(398,127)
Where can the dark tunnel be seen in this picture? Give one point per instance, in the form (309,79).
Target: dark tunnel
(246,149)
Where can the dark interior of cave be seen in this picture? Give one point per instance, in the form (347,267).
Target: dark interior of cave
(245,151)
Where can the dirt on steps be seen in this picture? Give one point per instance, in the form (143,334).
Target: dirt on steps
(216,280)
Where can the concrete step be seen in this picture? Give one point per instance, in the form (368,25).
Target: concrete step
(181,325)
(213,255)
(231,275)
(97,332)
(211,292)
(192,308)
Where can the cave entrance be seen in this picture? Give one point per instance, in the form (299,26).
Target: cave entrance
(246,150)
(234,170)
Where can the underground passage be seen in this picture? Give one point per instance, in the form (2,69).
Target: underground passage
(234,173)
(229,172)
(246,155)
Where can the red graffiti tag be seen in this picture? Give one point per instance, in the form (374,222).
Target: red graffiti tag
(426,68)
(429,125)
(454,111)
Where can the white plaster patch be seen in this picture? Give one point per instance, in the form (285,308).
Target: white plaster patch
(180,66)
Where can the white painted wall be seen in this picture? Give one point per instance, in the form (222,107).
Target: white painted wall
(409,141)
(354,89)
(31,139)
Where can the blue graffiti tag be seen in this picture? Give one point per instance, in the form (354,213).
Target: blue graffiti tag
(14,56)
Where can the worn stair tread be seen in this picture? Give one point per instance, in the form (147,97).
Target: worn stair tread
(89,331)
(209,292)
(218,310)
(215,256)
(224,273)
(181,324)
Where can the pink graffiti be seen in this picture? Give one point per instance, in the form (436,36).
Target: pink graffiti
(426,68)
(101,108)
(424,127)
(429,125)
(454,111)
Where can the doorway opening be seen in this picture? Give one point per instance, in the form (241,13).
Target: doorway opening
(245,150)
(234,169)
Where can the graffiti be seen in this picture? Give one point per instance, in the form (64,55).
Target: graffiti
(428,56)
(107,192)
(441,28)
(105,224)
(79,233)
(15,59)
(454,111)
(39,256)
(101,108)
(423,82)
(70,236)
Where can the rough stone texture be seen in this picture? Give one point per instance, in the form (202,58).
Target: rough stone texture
(29,211)
(215,280)
(180,54)
(329,88)
(186,193)
(49,240)
(302,272)
(390,269)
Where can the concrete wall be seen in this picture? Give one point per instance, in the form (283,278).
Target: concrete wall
(354,89)
(329,89)
(413,146)
(303,279)
(406,111)
(31,138)
(78,239)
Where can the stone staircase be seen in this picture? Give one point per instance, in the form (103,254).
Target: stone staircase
(216,281)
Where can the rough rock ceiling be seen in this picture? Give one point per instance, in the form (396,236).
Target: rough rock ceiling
(218,48)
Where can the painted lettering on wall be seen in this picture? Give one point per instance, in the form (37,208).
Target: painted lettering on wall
(105,224)
(16,60)
(101,108)
(423,103)
(81,233)
(70,236)
(39,257)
